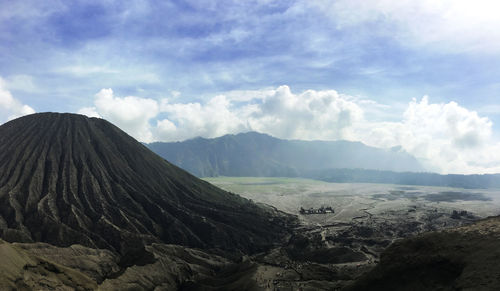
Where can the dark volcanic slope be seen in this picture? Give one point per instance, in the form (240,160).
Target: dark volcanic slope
(68,179)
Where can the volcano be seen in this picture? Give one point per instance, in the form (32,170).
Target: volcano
(67,179)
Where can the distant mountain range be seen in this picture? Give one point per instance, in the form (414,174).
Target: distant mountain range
(256,154)
(261,155)
(405,178)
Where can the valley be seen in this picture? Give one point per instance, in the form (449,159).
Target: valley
(331,250)
(86,207)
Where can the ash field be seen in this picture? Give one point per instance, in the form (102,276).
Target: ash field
(329,251)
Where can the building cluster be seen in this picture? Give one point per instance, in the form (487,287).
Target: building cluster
(459,214)
(321,210)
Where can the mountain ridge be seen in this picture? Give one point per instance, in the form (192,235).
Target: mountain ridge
(475,181)
(257,154)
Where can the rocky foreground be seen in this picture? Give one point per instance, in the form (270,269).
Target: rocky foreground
(40,266)
(464,258)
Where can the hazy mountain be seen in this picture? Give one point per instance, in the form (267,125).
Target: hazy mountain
(405,178)
(255,154)
(67,179)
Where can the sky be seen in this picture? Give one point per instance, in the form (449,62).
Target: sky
(421,75)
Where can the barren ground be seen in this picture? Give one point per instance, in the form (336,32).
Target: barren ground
(329,251)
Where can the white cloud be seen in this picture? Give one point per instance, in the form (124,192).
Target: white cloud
(89,112)
(215,118)
(279,112)
(309,115)
(458,25)
(447,137)
(131,114)
(10,107)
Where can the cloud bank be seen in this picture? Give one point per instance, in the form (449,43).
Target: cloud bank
(132,114)
(446,137)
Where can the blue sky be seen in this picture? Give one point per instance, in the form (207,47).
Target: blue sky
(161,60)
